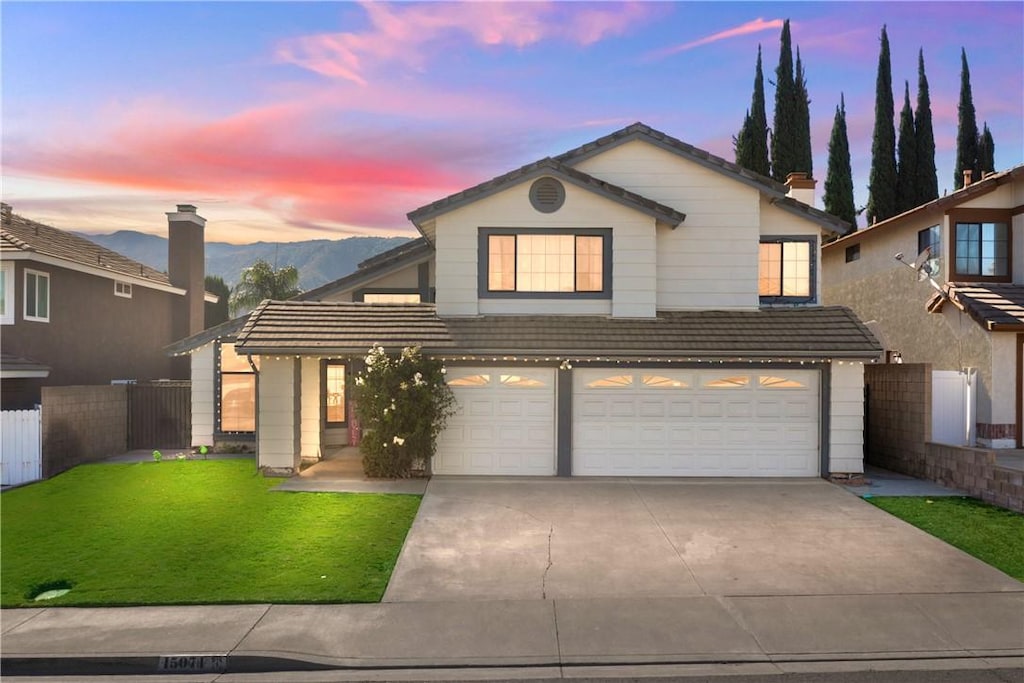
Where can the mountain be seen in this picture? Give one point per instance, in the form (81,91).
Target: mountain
(318,261)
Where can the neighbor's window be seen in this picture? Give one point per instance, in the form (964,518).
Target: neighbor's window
(37,296)
(6,293)
(853,253)
(929,239)
(334,393)
(547,262)
(982,249)
(237,391)
(785,270)
(123,289)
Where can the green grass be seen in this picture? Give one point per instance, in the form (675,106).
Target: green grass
(991,534)
(194,532)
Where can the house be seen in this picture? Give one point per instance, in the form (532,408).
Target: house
(74,312)
(635,306)
(971,246)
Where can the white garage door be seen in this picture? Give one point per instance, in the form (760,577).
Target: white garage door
(714,423)
(505,422)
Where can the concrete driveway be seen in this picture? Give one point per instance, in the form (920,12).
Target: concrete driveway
(520,539)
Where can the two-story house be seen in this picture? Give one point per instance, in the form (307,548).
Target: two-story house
(974,239)
(635,306)
(73,312)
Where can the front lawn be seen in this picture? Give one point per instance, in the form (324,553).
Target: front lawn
(187,532)
(991,534)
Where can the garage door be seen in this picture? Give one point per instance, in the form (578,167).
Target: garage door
(505,422)
(721,423)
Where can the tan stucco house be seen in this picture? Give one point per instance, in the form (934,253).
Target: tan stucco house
(972,317)
(635,306)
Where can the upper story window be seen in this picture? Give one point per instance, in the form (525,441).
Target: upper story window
(786,270)
(6,293)
(930,239)
(853,253)
(981,250)
(123,289)
(543,263)
(37,296)
(389,297)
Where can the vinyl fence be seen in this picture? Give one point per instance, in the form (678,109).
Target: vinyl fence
(953,407)
(21,446)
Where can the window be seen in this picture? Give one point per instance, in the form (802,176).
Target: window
(123,289)
(772,382)
(853,253)
(661,382)
(982,249)
(390,297)
(37,296)
(6,293)
(236,409)
(334,393)
(733,382)
(611,382)
(929,239)
(786,270)
(521,382)
(545,263)
(469,381)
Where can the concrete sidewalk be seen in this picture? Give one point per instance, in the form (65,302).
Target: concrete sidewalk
(984,630)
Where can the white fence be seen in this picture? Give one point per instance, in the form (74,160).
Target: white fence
(953,407)
(21,446)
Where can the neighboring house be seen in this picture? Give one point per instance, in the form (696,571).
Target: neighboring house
(74,312)
(635,306)
(975,242)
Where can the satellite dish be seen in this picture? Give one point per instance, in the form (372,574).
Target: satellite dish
(925,266)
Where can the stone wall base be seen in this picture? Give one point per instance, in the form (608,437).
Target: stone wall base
(974,470)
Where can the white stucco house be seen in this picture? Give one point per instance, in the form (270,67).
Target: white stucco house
(635,306)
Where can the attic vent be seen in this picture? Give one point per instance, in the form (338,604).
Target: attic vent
(547,195)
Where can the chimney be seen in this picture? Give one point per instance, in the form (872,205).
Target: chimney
(5,211)
(186,262)
(968,177)
(801,188)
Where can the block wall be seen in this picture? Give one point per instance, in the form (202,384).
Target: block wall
(83,424)
(899,419)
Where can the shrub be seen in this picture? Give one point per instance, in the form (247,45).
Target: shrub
(403,404)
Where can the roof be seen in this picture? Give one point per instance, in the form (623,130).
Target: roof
(21,235)
(996,307)
(13,367)
(968,192)
(295,327)
(372,268)
(548,167)
(769,186)
(227,328)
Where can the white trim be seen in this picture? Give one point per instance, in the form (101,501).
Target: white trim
(107,273)
(7,273)
(123,289)
(24,296)
(20,374)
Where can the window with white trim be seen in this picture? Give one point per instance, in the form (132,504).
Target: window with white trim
(37,296)
(6,293)
(122,288)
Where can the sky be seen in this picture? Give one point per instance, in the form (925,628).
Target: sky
(286,121)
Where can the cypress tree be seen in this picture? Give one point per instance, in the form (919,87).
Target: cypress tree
(882,181)
(804,155)
(839,179)
(986,152)
(784,127)
(752,142)
(927,187)
(967,130)
(906,174)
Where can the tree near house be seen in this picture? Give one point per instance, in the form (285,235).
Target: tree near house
(839,178)
(751,144)
(882,180)
(906,169)
(215,314)
(785,126)
(802,139)
(986,151)
(262,281)
(927,186)
(967,128)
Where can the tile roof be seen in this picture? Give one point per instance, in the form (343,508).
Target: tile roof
(994,306)
(372,268)
(551,167)
(227,328)
(328,327)
(19,234)
(15,365)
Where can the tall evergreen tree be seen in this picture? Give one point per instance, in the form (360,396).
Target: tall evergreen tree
(906,172)
(986,152)
(927,187)
(785,124)
(743,143)
(752,141)
(882,181)
(967,130)
(804,155)
(839,179)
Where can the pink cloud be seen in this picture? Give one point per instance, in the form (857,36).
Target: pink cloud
(756,26)
(410,34)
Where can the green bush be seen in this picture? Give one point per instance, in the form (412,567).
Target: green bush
(403,404)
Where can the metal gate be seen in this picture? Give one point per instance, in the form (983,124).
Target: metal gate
(160,415)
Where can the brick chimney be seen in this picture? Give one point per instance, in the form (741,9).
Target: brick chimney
(186,265)
(968,177)
(801,188)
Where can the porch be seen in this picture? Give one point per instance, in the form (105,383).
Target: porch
(340,470)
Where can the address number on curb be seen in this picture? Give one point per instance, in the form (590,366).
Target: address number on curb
(196,663)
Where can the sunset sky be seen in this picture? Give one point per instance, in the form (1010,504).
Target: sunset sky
(288,121)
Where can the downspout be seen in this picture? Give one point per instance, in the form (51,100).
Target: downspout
(256,426)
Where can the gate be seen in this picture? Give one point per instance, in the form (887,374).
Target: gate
(953,415)
(21,449)
(160,415)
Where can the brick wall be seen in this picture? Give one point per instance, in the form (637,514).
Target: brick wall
(899,416)
(975,471)
(83,424)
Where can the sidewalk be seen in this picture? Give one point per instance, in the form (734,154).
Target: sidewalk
(770,634)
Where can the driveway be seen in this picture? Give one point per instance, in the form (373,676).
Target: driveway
(519,539)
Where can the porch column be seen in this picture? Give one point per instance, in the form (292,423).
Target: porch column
(278,433)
